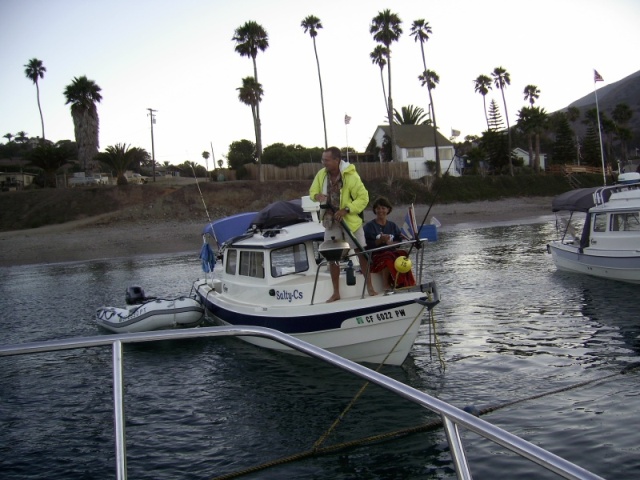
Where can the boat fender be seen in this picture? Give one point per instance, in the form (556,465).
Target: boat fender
(473,410)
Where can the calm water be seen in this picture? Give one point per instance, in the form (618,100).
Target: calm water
(510,327)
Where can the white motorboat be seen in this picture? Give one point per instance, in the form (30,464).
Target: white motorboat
(143,314)
(609,243)
(275,274)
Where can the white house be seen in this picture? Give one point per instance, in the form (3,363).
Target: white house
(416,146)
(524,156)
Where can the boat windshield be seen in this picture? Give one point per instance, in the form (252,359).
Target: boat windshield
(289,260)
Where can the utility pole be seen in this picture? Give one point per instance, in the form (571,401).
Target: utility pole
(153,152)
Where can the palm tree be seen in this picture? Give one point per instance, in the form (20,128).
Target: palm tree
(250,93)
(118,158)
(21,137)
(431,79)
(83,95)
(531,93)
(385,28)
(621,115)
(8,136)
(205,155)
(379,57)
(501,79)
(35,70)
(411,115)
(420,31)
(526,126)
(573,115)
(312,24)
(251,38)
(482,86)
(50,158)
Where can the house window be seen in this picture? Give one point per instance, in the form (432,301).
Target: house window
(414,153)
(252,264)
(446,153)
(288,260)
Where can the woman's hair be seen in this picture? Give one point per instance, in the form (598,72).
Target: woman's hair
(382,201)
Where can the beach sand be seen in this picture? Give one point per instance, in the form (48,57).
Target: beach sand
(93,238)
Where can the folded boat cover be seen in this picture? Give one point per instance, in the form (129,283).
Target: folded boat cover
(579,200)
(280,214)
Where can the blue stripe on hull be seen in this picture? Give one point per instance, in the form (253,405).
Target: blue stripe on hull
(299,324)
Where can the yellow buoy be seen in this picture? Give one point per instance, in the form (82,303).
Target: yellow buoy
(403,264)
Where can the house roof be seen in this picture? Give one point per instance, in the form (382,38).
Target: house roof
(415,136)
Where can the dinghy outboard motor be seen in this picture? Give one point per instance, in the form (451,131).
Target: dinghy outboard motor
(135,295)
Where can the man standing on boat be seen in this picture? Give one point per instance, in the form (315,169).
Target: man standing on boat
(339,186)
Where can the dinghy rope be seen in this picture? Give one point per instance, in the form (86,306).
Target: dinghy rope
(425,427)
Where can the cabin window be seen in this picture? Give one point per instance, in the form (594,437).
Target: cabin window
(252,264)
(600,222)
(414,153)
(289,260)
(625,222)
(232,260)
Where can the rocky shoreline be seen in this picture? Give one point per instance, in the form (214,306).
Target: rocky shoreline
(94,238)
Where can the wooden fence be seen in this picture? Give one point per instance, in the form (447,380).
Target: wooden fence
(568,169)
(306,171)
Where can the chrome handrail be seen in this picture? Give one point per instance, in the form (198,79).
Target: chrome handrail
(453,418)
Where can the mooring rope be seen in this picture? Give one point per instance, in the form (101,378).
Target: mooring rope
(425,427)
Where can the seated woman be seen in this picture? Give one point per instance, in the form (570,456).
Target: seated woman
(380,232)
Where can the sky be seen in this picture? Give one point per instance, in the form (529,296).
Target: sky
(178,58)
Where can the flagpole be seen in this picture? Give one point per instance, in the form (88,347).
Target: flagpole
(596,78)
(347,119)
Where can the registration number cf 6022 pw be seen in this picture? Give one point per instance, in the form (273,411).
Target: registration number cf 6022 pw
(382,316)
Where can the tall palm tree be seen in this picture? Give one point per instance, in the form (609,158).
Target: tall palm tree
(431,79)
(21,137)
(250,93)
(531,93)
(251,38)
(8,136)
(34,70)
(501,79)
(118,158)
(482,86)
(83,95)
(312,24)
(385,28)
(573,115)
(420,31)
(205,155)
(526,125)
(379,57)
(411,115)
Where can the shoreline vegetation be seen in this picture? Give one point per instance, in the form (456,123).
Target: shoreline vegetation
(105,237)
(56,225)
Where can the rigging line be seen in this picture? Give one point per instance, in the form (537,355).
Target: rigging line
(455,154)
(201,196)
(337,421)
(425,427)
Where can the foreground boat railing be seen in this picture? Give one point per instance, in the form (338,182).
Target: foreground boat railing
(452,417)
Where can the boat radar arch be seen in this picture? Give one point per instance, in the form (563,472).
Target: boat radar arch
(309,206)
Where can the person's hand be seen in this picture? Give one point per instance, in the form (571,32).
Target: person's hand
(321,197)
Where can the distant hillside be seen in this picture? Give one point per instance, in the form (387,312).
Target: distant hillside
(626,91)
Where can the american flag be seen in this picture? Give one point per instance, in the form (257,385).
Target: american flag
(409,228)
(597,77)
(347,119)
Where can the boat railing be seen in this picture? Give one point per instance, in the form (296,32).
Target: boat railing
(369,254)
(602,194)
(453,419)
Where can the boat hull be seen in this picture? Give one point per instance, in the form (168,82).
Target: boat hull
(621,266)
(371,330)
(151,315)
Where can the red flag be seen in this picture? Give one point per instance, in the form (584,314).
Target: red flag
(597,77)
